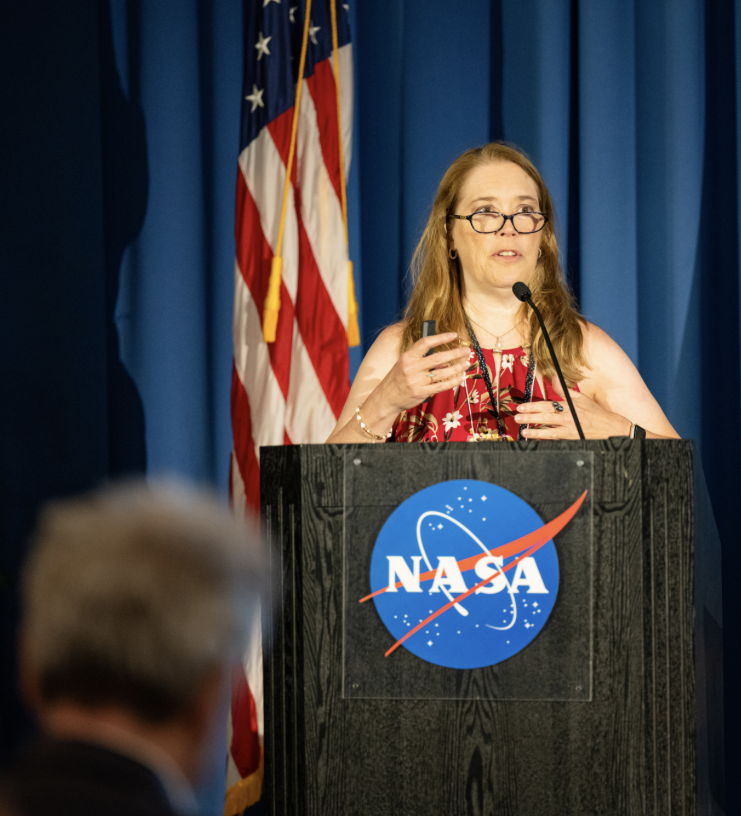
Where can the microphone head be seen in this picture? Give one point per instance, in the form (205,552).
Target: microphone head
(521,291)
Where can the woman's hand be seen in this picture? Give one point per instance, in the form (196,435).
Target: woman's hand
(595,421)
(415,378)
(388,383)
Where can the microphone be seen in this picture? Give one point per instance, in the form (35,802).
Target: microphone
(523,293)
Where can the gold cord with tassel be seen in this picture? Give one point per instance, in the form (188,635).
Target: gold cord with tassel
(272,300)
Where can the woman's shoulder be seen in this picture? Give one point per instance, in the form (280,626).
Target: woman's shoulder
(609,365)
(387,346)
(391,335)
(599,347)
(380,358)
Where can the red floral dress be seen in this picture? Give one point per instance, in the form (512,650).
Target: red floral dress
(461,414)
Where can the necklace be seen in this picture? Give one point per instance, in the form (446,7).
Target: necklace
(498,345)
(494,410)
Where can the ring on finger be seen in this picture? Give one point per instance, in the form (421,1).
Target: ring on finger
(558,406)
(431,375)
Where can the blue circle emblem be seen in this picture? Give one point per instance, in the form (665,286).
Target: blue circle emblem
(462,578)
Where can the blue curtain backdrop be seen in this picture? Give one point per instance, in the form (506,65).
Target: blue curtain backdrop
(118,164)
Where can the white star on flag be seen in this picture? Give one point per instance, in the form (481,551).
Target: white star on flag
(291,12)
(312,33)
(262,46)
(255,98)
(269,1)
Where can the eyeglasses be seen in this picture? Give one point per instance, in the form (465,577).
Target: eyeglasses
(486,222)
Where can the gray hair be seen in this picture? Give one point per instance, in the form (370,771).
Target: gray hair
(133,595)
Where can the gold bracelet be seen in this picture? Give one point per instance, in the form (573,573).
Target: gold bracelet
(367,432)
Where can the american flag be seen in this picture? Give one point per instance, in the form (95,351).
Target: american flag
(292,390)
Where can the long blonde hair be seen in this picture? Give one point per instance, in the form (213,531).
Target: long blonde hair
(437,278)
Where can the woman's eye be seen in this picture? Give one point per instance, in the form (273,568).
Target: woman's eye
(526,208)
(487,210)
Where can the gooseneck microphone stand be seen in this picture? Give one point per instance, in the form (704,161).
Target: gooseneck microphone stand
(523,293)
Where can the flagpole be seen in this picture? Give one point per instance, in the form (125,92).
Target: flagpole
(353,330)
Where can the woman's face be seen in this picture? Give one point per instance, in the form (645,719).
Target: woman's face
(499,259)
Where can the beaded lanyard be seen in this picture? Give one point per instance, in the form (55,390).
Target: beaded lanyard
(494,411)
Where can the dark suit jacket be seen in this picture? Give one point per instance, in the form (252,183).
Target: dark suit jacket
(68,778)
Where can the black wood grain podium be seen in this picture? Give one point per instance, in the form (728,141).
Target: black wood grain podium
(615,708)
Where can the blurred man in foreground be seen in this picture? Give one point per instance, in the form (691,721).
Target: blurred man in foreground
(136,605)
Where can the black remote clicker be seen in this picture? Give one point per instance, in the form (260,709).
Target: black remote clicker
(428,329)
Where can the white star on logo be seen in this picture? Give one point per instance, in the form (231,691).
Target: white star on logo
(291,12)
(269,1)
(429,643)
(262,46)
(255,98)
(312,32)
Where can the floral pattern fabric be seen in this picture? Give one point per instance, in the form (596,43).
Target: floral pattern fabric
(451,416)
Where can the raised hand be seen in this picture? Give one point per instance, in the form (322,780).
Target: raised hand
(415,377)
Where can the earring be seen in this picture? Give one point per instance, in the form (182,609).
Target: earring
(453,253)
(540,252)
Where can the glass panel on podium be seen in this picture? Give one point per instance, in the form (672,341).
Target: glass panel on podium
(468,576)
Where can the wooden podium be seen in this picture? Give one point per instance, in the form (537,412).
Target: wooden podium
(616,707)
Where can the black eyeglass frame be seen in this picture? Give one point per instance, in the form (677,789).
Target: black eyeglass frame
(511,218)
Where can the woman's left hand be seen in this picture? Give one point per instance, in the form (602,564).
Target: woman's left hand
(596,422)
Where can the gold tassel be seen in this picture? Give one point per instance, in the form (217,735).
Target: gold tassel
(246,792)
(353,330)
(271,306)
(272,301)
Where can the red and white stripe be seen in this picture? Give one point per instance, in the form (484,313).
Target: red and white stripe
(290,391)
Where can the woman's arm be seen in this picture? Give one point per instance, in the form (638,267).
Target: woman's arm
(387,382)
(615,384)
(611,396)
(376,365)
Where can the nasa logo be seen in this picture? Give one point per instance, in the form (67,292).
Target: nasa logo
(464,574)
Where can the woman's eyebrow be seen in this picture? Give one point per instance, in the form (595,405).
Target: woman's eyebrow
(492,199)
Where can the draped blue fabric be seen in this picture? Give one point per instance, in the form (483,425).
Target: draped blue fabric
(120,137)
(180,68)
(423,98)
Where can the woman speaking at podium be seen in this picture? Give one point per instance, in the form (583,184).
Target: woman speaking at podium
(487,373)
